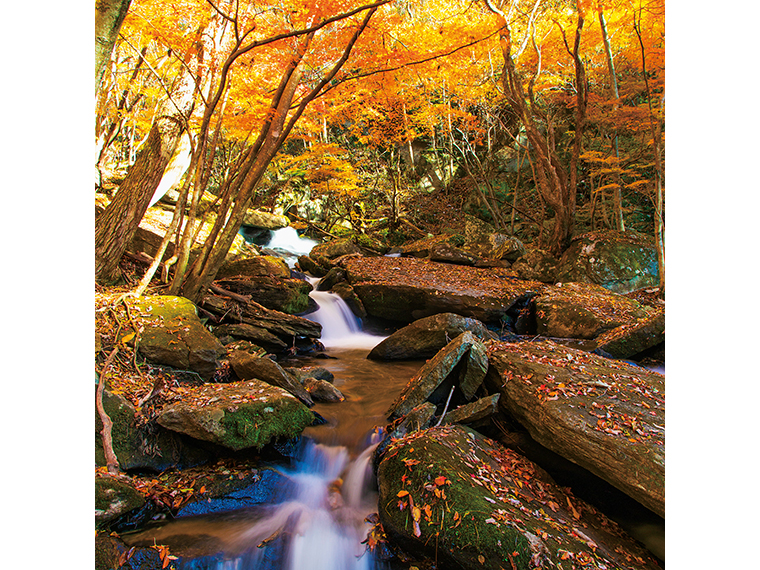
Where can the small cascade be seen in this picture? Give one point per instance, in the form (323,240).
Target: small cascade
(320,523)
(288,240)
(340,327)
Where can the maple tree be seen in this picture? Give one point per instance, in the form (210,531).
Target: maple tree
(354,109)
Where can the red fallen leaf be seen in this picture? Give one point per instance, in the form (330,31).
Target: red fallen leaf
(441,480)
(402,493)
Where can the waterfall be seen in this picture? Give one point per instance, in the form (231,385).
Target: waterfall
(288,240)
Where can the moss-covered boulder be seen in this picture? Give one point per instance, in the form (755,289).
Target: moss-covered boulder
(452,375)
(425,337)
(238,415)
(618,261)
(464,500)
(114,497)
(607,416)
(265,220)
(174,335)
(143,446)
(584,310)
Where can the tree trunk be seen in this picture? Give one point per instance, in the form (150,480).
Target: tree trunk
(116,226)
(109,16)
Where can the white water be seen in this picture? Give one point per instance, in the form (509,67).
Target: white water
(288,239)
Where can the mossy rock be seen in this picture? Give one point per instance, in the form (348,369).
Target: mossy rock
(618,261)
(334,248)
(114,497)
(453,495)
(256,266)
(287,295)
(174,335)
(238,415)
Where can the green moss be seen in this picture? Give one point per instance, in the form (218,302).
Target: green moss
(255,426)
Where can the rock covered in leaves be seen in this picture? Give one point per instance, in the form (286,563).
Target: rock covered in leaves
(536,265)
(247,367)
(443,375)
(174,335)
(425,337)
(451,494)
(618,261)
(584,310)
(334,248)
(257,266)
(238,415)
(627,340)
(405,289)
(606,416)
(272,291)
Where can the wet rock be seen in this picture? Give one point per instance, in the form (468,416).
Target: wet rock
(335,275)
(584,310)
(618,261)
(343,290)
(114,497)
(451,494)
(174,335)
(441,376)
(425,337)
(318,372)
(628,340)
(605,415)
(306,263)
(322,391)
(406,289)
(247,367)
(238,415)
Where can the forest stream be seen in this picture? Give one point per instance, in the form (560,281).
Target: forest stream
(320,510)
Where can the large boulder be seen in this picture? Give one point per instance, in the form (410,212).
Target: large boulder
(265,220)
(451,494)
(606,416)
(406,289)
(257,335)
(238,415)
(441,379)
(334,248)
(584,310)
(425,337)
(174,335)
(618,261)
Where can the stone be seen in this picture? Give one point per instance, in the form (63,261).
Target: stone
(258,335)
(447,253)
(425,337)
(450,494)
(308,265)
(406,289)
(114,497)
(322,391)
(618,261)
(262,265)
(174,335)
(536,265)
(265,220)
(247,367)
(626,341)
(238,415)
(607,416)
(279,294)
(584,310)
(437,377)
(474,412)
(334,248)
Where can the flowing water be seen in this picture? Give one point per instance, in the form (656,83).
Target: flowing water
(315,518)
